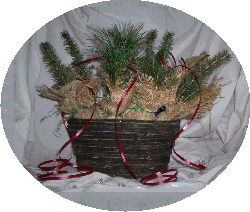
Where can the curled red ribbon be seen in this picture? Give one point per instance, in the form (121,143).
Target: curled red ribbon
(144,180)
(199,166)
(65,162)
(162,174)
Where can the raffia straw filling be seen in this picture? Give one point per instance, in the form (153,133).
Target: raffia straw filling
(76,95)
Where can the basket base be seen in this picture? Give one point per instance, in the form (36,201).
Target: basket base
(147,145)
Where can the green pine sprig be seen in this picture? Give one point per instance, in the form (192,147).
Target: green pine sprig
(72,48)
(59,71)
(167,44)
(119,47)
(151,64)
(203,68)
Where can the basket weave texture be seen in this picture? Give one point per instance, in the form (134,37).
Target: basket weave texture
(147,145)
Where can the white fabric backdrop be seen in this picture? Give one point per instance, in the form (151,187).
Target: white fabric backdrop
(33,142)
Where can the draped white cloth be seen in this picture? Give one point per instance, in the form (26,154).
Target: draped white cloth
(215,138)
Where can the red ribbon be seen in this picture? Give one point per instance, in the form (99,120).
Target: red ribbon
(85,61)
(144,180)
(65,162)
(162,174)
(199,166)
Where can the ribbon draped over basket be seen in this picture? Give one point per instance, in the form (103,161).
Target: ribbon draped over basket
(144,180)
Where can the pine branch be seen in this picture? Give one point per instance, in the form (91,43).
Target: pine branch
(189,87)
(167,44)
(119,47)
(147,61)
(150,40)
(192,61)
(152,65)
(58,70)
(73,50)
(71,47)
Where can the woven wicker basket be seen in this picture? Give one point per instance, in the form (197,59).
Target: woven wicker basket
(147,145)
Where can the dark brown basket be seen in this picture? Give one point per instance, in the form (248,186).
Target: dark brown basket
(147,145)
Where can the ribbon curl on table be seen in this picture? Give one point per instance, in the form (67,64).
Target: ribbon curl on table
(144,180)
(65,162)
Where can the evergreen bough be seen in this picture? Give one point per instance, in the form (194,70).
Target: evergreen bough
(119,47)
(60,72)
(150,63)
(203,68)
(125,45)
